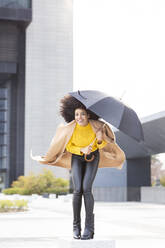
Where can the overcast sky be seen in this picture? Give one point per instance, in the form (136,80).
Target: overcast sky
(119,48)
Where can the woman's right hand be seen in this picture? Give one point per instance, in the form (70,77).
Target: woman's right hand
(86,150)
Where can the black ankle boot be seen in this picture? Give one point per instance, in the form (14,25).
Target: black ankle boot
(87,234)
(89,228)
(77,232)
(77,200)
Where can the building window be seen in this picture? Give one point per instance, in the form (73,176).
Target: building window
(3,128)
(15,4)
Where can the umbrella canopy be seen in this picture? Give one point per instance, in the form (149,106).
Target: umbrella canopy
(113,111)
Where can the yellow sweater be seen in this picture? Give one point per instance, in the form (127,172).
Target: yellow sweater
(83,136)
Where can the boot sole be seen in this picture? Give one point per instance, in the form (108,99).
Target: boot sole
(77,237)
(88,237)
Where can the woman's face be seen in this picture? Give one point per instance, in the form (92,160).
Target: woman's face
(81,117)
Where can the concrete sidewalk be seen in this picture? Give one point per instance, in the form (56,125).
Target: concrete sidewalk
(48,223)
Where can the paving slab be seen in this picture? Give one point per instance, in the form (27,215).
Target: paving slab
(55,242)
(48,223)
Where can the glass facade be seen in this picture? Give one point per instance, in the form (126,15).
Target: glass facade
(15,16)
(3,136)
(15,4)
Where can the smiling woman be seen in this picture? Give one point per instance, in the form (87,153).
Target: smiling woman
(83,145)
(84,141)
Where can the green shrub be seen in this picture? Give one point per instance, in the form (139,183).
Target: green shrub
(11,191)
(6,204)
(57,190)
(45,182)
(15,205)
(162,181)
(153,183)
(21,204)
(28,184)
(60,182)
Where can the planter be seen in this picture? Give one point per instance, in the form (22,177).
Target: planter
(154,194)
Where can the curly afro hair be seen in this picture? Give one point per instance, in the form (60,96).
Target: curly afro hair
(68,106)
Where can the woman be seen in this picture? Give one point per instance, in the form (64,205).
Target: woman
(83,145)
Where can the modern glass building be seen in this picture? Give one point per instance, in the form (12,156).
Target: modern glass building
(15,16)
(35,72)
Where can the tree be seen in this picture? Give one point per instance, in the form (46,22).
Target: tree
(156,171)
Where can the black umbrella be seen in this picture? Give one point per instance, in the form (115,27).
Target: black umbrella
(113,111)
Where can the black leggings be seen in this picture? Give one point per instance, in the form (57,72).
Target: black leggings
(83,174)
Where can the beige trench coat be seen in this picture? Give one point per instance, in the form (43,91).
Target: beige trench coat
(110,156)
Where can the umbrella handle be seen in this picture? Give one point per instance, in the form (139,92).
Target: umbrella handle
(85,155)
(89,160)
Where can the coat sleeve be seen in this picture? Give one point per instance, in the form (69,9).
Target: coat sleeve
(55,147)
(108,134)
(115,152)
(102,144)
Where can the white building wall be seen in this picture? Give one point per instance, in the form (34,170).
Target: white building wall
(48,76)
